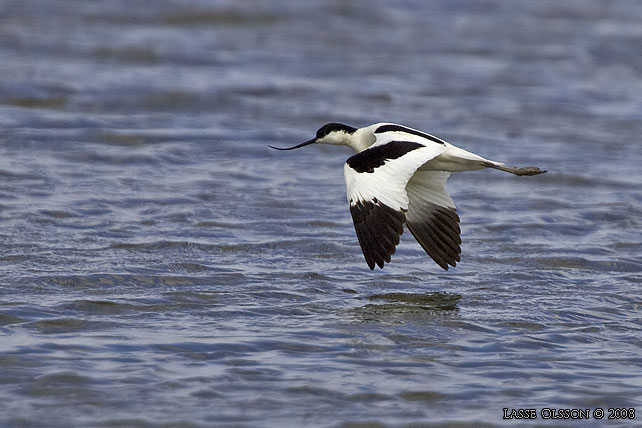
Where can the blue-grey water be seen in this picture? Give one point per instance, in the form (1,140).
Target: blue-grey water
(161,267)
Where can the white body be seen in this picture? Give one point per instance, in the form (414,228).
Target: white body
(451,158)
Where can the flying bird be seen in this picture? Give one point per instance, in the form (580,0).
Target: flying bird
(397,177)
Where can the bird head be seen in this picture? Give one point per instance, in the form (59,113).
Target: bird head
(330,133)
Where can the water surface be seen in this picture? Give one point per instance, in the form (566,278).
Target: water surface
(160,266)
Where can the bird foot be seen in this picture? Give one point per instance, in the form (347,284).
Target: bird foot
(527,170)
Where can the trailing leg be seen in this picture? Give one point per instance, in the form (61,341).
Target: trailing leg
(526,170)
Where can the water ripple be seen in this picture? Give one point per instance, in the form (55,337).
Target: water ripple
(161,266)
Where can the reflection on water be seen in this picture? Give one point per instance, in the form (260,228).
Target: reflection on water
(160,266)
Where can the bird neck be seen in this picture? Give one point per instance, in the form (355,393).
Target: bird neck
(360,140)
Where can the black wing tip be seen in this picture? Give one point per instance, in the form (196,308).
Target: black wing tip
(378,228)
(445,264)
(374,262)
(439,236)
(372,218)
(450,263)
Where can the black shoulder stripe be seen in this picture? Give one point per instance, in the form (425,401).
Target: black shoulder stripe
(374,157)
(399,128)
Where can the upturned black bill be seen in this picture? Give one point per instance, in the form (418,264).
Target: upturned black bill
(295,147)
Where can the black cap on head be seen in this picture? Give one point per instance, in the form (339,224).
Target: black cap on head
(333,126)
